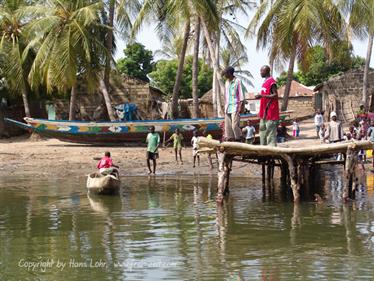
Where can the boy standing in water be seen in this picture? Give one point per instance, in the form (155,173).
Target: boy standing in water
(195,152)
(177,139)
(153,141)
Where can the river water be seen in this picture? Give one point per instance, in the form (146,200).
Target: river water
(163,228)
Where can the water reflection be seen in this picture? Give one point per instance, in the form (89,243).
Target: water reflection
(163,228)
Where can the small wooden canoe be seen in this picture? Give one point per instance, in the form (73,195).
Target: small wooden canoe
(103,184)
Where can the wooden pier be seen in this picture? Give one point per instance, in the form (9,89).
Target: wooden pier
(295,163)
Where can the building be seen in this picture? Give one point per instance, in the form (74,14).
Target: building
(343,94)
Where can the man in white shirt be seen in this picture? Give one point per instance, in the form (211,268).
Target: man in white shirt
(195,151)
(250,132)
(318,121)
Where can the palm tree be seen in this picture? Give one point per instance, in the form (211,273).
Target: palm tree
(16,60)
(224,33)
(361,22)
(67,40)
(291,27)
(230,58)
(170,14)
(195,68)
(117,15)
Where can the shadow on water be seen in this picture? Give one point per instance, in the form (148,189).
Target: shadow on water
(164,228)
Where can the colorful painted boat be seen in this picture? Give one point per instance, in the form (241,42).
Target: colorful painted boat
(109,133)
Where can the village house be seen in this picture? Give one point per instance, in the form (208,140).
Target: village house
(343,94)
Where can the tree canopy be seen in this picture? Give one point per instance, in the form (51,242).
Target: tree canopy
(137,62)
(163,77)
(319,68)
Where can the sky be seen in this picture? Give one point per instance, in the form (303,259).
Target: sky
(257,58)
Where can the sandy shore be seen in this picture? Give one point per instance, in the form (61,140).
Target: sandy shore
(53,158)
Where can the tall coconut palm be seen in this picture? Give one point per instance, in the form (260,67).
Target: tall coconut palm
(195,68)
(170,14)
(117,15)
(67,39)
(229,58)
(361,23)
(290,27)
(16,62)
(225,33)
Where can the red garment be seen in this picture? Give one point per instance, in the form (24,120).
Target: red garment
(273,107)
(105,162)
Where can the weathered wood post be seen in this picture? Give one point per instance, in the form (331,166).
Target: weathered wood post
(224,168)
(295,183)
(351,162)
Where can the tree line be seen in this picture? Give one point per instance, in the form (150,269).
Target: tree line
(53,45)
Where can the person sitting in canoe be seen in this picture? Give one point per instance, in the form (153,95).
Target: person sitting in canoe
(106,165)
(177,139)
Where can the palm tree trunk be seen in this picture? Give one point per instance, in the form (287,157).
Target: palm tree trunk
(366,71)
(73,101)
(104,91)
(212,56)
(26,103)
(109,42)
(289,80)
(195,70)
(178,78)
(214,91)
(220,88)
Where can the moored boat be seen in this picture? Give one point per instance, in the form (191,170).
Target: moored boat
(109,133)
(103,184)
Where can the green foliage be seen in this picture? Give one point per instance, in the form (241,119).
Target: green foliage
(137,63)
(164,77)
(319,68)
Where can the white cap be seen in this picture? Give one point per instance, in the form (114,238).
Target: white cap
(332,114)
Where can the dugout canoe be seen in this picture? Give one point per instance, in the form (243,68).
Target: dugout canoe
(112,133)
(103,184)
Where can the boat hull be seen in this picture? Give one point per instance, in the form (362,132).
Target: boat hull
(103,184)
(119,133)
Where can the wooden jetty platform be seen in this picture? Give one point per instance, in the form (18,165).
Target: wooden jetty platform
(296,163)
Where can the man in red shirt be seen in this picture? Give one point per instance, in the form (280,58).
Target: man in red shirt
(269,109)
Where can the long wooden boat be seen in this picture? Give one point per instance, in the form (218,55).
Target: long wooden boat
(103,184)
(109,133)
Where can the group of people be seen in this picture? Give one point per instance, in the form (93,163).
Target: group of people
(234,105)
(361,128)
(269,131)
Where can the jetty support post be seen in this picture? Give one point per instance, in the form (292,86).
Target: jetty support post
(295,182)
(351,162)
(224,168)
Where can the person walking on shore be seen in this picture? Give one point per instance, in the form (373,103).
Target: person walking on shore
(318,121)
(195,152)
(153,142)
(177,139)
(234,105)
(269,109)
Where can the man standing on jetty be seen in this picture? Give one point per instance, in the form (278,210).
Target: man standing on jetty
(269,109)
(234,104)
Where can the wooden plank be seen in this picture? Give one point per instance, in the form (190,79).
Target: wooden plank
(236,148)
